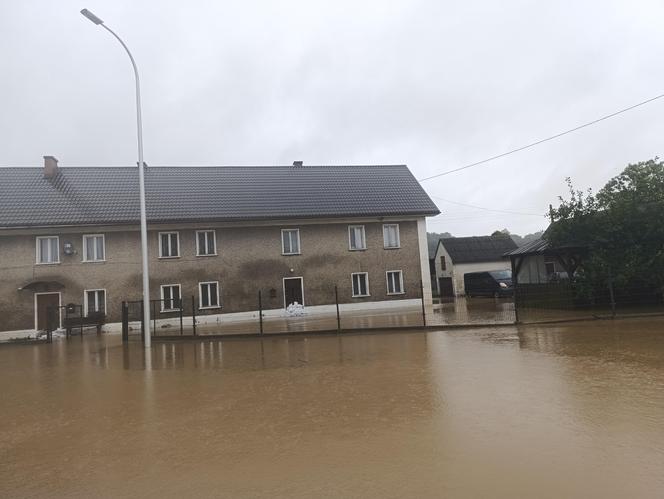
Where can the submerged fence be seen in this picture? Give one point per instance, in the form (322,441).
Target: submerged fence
(531,303)
(184,317)
(568,300)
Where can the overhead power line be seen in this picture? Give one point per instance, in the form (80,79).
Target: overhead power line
(552,137)
(487,209)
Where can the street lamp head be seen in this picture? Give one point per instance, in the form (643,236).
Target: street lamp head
(91,16)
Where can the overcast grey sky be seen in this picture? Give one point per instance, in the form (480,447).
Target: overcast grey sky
(432,84)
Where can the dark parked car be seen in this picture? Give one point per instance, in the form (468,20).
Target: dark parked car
(494,283)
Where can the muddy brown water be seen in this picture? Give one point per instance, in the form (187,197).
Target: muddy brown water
(564,411)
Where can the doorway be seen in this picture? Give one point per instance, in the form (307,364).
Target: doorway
(293,291)
(445,286)
(42,302)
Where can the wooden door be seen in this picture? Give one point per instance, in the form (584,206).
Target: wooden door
(43,302)
(293,291)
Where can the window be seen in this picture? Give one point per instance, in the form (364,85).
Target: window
(94,248)
(549,266)
(290,241)
(356,239)
(394,282)
(169,244)
(95,301)
(391,235)
(170,297)
(443,265)
(48,249)
(206,243)
(208,295)
(360,284)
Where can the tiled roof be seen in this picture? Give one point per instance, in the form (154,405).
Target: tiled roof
(478,249)
(109,195)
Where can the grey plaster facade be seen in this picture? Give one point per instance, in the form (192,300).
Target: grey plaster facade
(249,258)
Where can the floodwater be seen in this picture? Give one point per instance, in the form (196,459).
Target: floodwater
(549,411)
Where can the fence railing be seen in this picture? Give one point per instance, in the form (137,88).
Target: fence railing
(568,300)
(183,316)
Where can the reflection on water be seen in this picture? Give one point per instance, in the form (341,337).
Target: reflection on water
(564,411)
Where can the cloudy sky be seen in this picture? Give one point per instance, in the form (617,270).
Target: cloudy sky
(432,84)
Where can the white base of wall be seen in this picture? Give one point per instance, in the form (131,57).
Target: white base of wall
(279,313)
(18,334)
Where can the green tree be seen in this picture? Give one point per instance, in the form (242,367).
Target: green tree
(621,225)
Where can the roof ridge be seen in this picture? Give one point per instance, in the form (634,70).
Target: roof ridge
(303,167)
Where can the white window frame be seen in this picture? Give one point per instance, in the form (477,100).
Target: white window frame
(161,249)
(351,228)
(385,246)
(161,293)
(200,295)
(38,254)
(85,300)
(214,239)
(85,249)
(387,282)
(352,284)
(299,246)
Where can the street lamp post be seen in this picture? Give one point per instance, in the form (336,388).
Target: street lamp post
(141,181)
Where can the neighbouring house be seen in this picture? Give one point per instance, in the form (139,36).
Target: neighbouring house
(217,234)
(458,256)
(537,262)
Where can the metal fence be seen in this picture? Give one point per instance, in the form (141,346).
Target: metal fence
(531,303)
(568,300)
(185,318)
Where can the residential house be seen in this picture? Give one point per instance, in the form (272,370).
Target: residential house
(458,256)
(218,234)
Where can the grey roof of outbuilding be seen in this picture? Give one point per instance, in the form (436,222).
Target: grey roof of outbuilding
(109,195)
(534,247)
(477,248)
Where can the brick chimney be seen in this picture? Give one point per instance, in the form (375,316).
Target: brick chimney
(50,167)
(298,163)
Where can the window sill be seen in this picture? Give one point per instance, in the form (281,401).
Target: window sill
(357,249)
(360,296)
(396,294)
(169,310)
(93,261)
(391,247)
(47,263)
(290,254)
(218,307)
(211,254)
(168,257)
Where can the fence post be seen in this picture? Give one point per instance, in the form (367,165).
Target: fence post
(611,295)
(125,322)
(260,311)
(516,301)
(336,301)
(181,312)
(154,319)
(193,313)
(424,315)
(142,321)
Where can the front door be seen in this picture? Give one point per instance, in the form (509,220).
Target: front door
(293,291)
(43,302)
